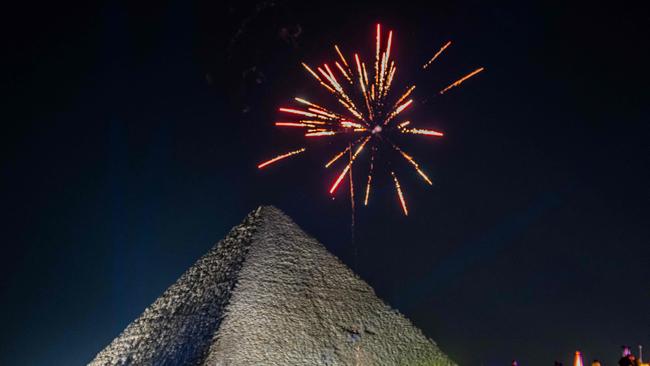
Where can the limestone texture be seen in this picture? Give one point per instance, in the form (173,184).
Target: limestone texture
(269,294)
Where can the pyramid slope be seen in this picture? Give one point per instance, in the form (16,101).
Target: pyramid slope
(178,327)
(269,294)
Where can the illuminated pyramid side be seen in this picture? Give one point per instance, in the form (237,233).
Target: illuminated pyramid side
(268,294)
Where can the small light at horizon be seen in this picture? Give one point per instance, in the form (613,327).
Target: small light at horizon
(578,359)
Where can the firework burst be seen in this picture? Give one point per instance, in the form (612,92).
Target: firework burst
(368,115)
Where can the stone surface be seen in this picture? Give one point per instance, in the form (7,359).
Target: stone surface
(268,294)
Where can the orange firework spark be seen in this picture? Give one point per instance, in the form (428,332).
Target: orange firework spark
(401,125)
(292,124)
(410,159)
(352,87)
(461,80)
(369,183)
(442,49)
(420,131)
(320,133)
(400,195)
(280,157)
(347,167)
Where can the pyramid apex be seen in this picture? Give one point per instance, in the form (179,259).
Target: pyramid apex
(268,209)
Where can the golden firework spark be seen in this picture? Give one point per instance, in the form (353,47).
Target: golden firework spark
(363,117)
(280,157)
(442,49)
(420,131)
(400,195)
(369,182)
(461,80)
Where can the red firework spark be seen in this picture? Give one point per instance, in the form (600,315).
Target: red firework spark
(369,113)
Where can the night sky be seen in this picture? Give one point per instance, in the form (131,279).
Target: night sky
(131,134)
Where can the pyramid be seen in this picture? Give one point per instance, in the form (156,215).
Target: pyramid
(268,294)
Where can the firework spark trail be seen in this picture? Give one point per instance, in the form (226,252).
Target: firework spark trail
(421,131)
(391,75)
(369,183)
(390,41)
(400,194)
(356,126)
(280,157)
(320,133)
(351,190)
(347,167)
(403,124)
(345,62)
(323,113)
(344,72)
(442,49)
(405,95)
(315,75)
(365,108)
(403,106)
(293,124)
(461,80)
(297,111)
(397,111)
(306,102)
(378,45)
(352,206)
(365,77)
(312,122)
(412,161)
(337,156)
(333,78)
(339,93)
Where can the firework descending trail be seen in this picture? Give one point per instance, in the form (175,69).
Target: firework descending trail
(367,114)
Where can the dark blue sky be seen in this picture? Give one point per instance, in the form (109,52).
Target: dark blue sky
(131,135)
